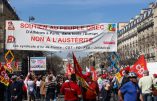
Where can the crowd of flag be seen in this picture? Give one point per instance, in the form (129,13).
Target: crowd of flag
(139,67)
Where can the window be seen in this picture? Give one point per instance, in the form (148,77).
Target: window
(149,12)
(138,20)
(135,21)
(145,14)
(141,17)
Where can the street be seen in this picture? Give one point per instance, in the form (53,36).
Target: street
(61,98)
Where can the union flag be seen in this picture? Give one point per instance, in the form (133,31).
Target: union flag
(140,66)
(8,67)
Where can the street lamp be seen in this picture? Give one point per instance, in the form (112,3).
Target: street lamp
(31,18)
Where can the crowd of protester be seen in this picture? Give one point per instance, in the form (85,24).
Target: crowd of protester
(106,88)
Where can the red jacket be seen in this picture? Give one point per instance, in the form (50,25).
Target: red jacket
(70,90)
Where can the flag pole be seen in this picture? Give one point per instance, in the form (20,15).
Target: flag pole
(28,63)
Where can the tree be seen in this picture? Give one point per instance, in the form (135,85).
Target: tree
(55,64)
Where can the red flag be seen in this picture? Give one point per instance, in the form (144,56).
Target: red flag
(140,66)
(4,78)
(69,69)
(77,68)
(8,67)
(94,73)
(16,65)
(122,71)
(78,72)
(95,77)
(92,68)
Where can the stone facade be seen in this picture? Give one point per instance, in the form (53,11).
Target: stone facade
(139,37)
(6,13)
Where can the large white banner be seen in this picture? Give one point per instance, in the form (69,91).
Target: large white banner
(37,63)
(22,35)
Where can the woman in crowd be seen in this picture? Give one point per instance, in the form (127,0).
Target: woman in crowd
(31,88)
(105,93)
(51,88)
(43,88)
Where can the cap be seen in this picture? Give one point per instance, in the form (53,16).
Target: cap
(132,75)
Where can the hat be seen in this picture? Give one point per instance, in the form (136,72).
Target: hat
(155,75)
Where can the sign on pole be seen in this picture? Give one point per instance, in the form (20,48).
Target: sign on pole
(37,63)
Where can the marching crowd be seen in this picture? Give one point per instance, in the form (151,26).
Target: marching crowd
(106,88)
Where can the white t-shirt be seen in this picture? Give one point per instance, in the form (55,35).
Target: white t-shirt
(38,83)
(30,85)
(145,83)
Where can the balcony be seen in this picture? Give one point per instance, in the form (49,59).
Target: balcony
(145,26)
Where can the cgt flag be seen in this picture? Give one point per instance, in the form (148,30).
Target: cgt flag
(140,66)
(8,67)
(4,78)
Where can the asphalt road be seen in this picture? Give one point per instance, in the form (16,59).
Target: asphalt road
(61,98)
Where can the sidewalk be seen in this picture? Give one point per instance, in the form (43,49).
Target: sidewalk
(61,98)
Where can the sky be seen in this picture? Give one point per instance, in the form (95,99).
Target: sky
(78,12)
